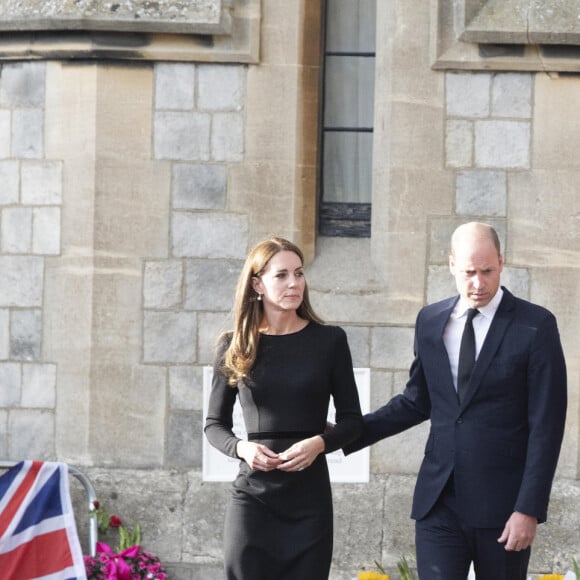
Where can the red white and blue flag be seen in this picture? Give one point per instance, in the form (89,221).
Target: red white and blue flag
(38,535)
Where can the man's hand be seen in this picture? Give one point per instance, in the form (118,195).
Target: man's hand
(519,532)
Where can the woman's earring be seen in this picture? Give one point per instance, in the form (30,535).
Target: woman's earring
(259,298)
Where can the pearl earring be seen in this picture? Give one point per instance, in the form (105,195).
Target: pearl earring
(259,298)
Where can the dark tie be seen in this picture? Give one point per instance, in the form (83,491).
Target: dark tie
(466,354)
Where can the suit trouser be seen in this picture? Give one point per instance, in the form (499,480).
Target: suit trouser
(446,547)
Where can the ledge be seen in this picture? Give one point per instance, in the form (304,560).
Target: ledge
(227,31)
(516,35)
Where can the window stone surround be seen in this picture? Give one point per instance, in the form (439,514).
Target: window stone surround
(201,31)
(518,35)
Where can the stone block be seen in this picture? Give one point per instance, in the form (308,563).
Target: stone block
(184,443)
(174,86)
(39,385)
(502,144)
(25,334)
(517,281)
(211,326)
(381,388)
(358,341)
(182,136)
(512,95)
(391,347)
(227,137)
(42,183)
(46,230)
(481,193)
(31,435)
(211,284)
(162,284)
(169,337)
(468,94)
(17,230)
(5,133)
(21,281)
(221,87)
(4,333)
(440,284)
(11,381)
(198,186)
(4,433)
(459,143)
(186,388)
(27,133)
(22,85)
(200,235)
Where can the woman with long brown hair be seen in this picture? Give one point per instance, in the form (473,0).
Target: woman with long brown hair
(284,364)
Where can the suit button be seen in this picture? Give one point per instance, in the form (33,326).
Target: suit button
(460,420)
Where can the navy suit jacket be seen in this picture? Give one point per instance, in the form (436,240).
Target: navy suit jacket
(502,442)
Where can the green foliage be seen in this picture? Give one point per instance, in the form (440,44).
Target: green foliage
(404,570)
(128,538)
(576,568)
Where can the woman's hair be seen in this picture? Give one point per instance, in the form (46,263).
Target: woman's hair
(248,311)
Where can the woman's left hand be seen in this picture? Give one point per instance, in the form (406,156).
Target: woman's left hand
(302,454)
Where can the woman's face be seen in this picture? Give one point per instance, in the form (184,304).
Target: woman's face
(282,282)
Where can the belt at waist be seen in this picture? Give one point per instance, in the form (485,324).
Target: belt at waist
(281,435)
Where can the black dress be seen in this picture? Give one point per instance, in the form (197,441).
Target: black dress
(279,524)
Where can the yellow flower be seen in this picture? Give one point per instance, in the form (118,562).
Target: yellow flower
(372,576)
(551,577)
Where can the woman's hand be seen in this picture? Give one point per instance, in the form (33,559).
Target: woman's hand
(257,456)
(301,454)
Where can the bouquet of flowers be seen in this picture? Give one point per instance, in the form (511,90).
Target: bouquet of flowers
(129,562)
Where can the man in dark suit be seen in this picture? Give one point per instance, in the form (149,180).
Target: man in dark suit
(485,480)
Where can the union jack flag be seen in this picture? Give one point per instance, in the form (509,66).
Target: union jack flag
(38,536)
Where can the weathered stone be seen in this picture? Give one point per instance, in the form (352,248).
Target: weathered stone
(25,334)
(46,230)
(42,183)
(22,84)
(21,281)
(211,326)
(174,86)
(227,137)
(10,378)
(31,435)
(502,144)
(17,230)
(391,347)
(162,284)
(10,179)
(186,388)
(358,341)
(27,133)
(221,88)
(459,143)
(198,186)
(210,284)
(468,94)
(182,136)
(512,95)
(209,235)
(39,385)
(5,133)
(184,434)
(481,193)
(169,337)
(4,334)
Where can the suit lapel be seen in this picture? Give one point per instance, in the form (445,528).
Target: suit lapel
(439,323)
(502,319)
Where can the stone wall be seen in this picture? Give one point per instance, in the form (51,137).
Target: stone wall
(130,193)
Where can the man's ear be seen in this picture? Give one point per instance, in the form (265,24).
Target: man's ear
(452,265)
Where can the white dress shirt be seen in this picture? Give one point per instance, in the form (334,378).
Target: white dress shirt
(456,323)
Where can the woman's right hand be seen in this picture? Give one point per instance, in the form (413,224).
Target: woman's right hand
(257,456)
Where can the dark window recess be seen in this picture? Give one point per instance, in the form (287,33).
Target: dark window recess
(346,127)
(352,220)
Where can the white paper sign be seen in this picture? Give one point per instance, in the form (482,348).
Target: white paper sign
(351,469)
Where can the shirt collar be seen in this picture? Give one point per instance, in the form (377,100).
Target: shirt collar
(488,310)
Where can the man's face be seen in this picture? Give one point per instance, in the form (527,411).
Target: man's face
(476,266)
